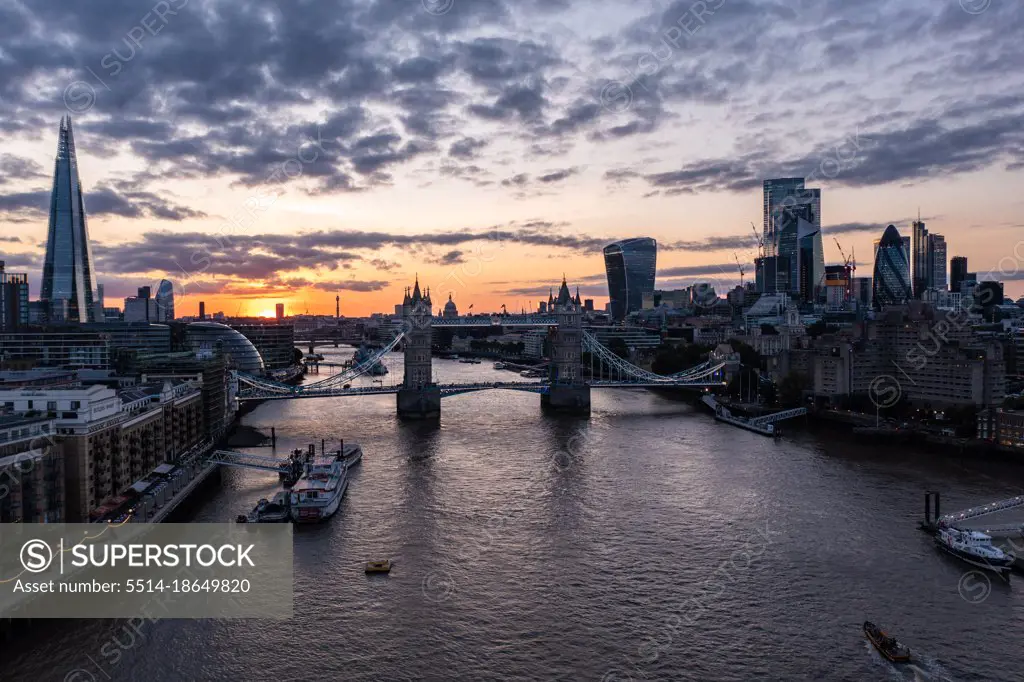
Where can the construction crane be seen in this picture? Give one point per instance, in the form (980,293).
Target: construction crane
(850,262)
(760,240)
(740,266)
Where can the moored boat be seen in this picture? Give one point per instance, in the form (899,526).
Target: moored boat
(383,566)
(973,547)
(317,495)
(269,511)
(888,646)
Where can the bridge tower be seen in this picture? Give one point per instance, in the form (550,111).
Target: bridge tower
(568,392)
(419,397)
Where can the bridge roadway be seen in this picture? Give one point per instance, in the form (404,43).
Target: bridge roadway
(458,389)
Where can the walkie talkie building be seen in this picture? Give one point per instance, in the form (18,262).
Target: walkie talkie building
(630,265)
(69,283)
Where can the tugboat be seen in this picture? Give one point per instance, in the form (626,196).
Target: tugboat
(974,547)
(886,645)
(268,511)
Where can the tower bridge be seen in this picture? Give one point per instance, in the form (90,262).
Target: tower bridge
(418,396)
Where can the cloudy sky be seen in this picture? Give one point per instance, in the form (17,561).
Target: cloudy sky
(256,151)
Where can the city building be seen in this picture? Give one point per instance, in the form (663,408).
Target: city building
(274,341)
(794,258)
(31,470)
(139,336)
(202,310)
(164,302)
(937,278)
(838,286)
(957,273)
(1005,427)
(939,359)
(892,285)
(920,260)
(100,303)
(66,347)
(928,259)
(630,265)
(142,307)
(13,300)
(69,282)
(450,309)
(110,439)
(279,311)
(207,337)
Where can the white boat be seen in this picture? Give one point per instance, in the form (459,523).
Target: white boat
(974,547)
(317,495)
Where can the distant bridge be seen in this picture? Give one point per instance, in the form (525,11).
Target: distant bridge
(419,394)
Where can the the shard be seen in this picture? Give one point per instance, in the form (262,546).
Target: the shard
(69,283)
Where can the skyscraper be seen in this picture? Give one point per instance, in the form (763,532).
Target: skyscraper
(921,263)
(937,262)
(891,282)
(792,236)
(13,299)
(69,283)
(165,301)
(630,265)
(957,273)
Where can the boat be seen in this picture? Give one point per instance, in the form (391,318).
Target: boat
(293,472)
(317,495)
(363,356)
(499,365)
(886,645)
(973,547)
(269,511)
(383,566)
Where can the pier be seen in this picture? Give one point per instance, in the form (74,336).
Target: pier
(764,425)
(1011,533)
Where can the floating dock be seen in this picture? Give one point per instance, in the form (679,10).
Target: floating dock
(762,425)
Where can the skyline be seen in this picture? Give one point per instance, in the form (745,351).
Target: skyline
(476,150)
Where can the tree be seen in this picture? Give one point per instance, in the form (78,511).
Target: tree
(618,346)
(791,389)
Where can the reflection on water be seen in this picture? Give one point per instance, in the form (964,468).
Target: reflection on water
(647,542)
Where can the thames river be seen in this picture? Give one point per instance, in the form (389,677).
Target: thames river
(647,542)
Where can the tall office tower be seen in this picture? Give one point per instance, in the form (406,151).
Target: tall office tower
(891,280)
(279,311)
(937,262)
(69,283)
(13,299)
(165,301)
(337,307)
(630,265)
(783,193)
(957,273)
(100,314)
(920,261)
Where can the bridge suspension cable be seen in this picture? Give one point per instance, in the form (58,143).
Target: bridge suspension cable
(623,368)
(262,384)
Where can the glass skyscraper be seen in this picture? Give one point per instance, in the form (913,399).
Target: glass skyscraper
(631,265)
(69,283)
(165,301)
(892,283)
(792,237)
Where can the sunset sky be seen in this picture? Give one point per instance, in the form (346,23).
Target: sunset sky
(256,152)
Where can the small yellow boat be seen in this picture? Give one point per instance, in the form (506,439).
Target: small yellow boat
(378,566)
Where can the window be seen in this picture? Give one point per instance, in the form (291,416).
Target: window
(51,405)
(30,405)
(75,404)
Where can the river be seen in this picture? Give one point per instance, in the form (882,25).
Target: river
(647,542)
